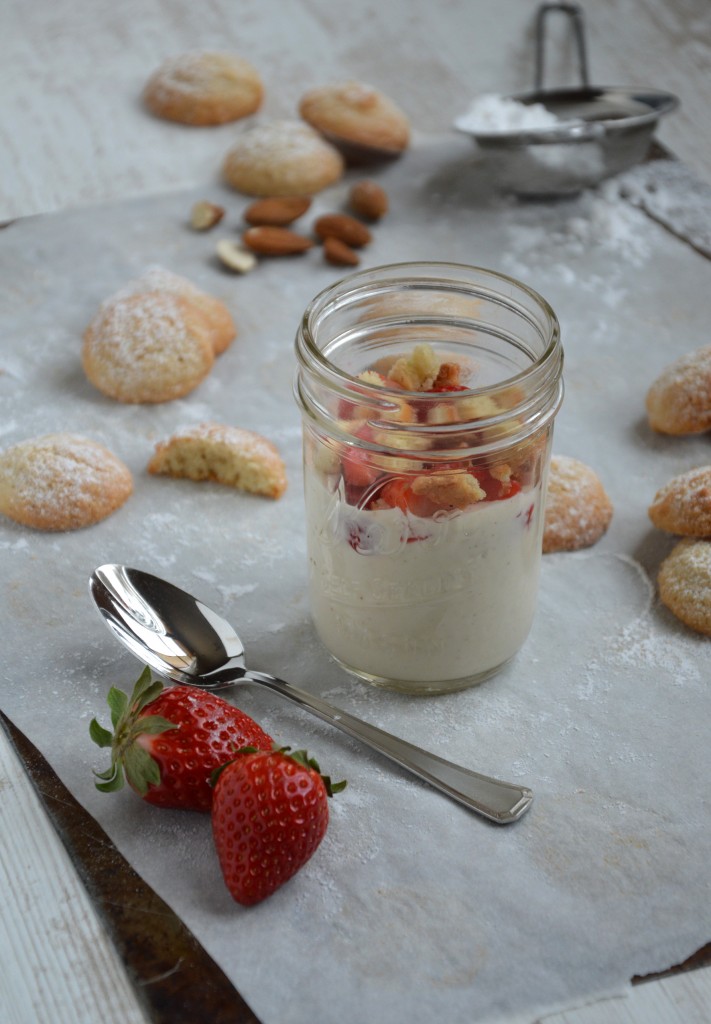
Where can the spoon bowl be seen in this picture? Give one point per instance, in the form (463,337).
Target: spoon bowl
(184,640)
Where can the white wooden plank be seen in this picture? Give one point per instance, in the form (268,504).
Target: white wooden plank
(57,964)
(682,999)
(72,130)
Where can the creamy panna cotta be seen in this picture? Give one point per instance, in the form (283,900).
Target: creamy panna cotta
(423,602)
(428,393)
(423,571)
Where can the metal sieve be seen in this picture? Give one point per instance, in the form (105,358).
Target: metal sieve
(603,130)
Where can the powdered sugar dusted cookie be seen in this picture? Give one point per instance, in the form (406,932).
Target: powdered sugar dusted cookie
(226,455)
(679,400)
(683,506)
(147,347)
(204,88)
(578,509)
(281,158)
(219,319)
(353,114)
(685,583)
(61,482)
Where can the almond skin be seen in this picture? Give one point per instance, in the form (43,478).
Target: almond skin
(343,227)
(278,211)
(368,199)
(268,240)
(338,253)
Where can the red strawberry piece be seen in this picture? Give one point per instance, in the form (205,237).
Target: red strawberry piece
(167,742)
(398,493)
(358,470)
(269,814)
(441,388)
(495,490)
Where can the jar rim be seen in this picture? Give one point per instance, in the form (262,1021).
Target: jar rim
(394,272)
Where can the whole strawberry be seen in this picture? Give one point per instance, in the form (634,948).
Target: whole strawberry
(168,742)
(269,814)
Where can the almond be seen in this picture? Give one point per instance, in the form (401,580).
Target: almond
(268,240)
(338,253)
(204,215)
(235,257)
(277,210)
(343,227)
(368,199)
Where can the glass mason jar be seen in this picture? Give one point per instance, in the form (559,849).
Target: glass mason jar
(428,393)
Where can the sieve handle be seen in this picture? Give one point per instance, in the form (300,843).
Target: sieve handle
(575,14)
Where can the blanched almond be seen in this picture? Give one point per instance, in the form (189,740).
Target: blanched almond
(344,227)
(277,210)
(205,215)
(268,240)
(235,257)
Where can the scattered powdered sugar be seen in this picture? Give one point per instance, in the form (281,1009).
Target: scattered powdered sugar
(644,644)
(228,591)
(61,480)
(601,221)
(244,442)
(154,278)
(685,583)
(355,94)
(578,510)
(669,193)
(282,139)
(147,346)
(198,72)
(678,400)
(491,113)
(131,325)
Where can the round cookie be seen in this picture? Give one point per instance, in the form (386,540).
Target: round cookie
(147,347)
(218,316)
(61,482)
(679,400)
(683,506)
(353,114)
(226,455)
(578,510)
(204,88)
(281,158)
(685,583)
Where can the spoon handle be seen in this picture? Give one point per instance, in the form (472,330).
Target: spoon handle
(501,802)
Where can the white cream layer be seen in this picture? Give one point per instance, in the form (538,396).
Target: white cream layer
(454,603)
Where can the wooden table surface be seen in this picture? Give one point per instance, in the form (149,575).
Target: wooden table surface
(72,133)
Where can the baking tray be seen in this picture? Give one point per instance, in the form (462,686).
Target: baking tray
(414,909)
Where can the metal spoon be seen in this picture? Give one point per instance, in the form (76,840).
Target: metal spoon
(181,638)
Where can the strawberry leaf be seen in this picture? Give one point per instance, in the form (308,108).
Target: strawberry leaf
(145,690)
(113,779)
(217,772)
(333,787)
(301,757)
(154,724)
(141,769)
(118,703)
(126,755)
(102,737)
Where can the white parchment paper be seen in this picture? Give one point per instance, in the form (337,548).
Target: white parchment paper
(413,909)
